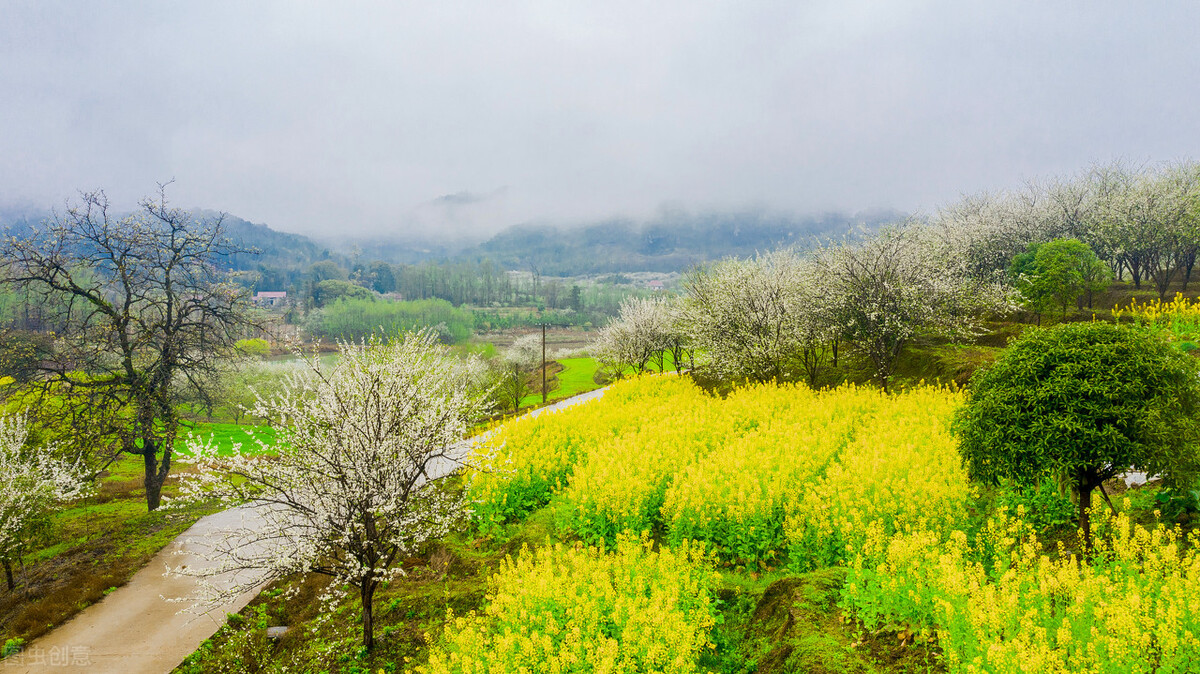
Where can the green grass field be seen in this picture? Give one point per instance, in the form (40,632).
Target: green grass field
(226,436)
(577,376)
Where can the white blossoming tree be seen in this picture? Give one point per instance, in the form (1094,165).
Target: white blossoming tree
(516,364)
(32,481)
(642,333)
(761,319)
(354,482)
(903,282)
(681,345)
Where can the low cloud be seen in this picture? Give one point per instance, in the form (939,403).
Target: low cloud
(352,119)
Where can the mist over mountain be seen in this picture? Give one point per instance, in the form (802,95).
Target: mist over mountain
(672,241)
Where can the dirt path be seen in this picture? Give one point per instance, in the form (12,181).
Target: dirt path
(135,629)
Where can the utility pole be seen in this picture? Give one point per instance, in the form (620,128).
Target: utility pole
(543,363)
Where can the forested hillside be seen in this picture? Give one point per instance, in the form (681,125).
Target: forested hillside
(670,242)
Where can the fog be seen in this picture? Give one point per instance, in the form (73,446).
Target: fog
(432,119)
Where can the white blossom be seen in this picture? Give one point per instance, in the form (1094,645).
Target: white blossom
(353,483)
(32,481)
(888,288)
(759,319)
(642,333)
(516,365)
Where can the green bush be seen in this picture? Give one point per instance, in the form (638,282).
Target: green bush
(1045,508)
(257,347)
(1083,403)
(12,647)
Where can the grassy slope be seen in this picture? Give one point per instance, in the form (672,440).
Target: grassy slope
(227,435)
(97,544)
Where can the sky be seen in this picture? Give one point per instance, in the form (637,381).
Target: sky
(439,119)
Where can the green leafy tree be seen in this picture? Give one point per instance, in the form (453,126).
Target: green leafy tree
(1058,273)
(1083,402)
(1066,269)
(332,290)
(1024,273)
(256,347)
(326,270)
(382,277)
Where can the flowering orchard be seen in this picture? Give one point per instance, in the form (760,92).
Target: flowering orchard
(784,476)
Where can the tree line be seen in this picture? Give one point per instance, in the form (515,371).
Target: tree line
(788,314)
(1142,221)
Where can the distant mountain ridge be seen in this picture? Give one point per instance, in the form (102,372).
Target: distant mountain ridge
(274,248)
(670,242)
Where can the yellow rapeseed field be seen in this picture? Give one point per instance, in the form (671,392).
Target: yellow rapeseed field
(571,609)
(784,475)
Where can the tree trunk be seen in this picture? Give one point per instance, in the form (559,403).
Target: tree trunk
(368,594)
(1085,520)
(156,473)
(8,575)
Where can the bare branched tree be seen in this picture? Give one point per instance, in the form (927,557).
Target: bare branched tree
(148,312)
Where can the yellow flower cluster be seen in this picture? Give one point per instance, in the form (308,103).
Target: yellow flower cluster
(561,609)
(846,476)
(737,495)
(1180,317)
(523,463)
(1001,605)
(901,471)
(620,486)
(767,469)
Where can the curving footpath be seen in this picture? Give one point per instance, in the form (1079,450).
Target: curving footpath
(135,629)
